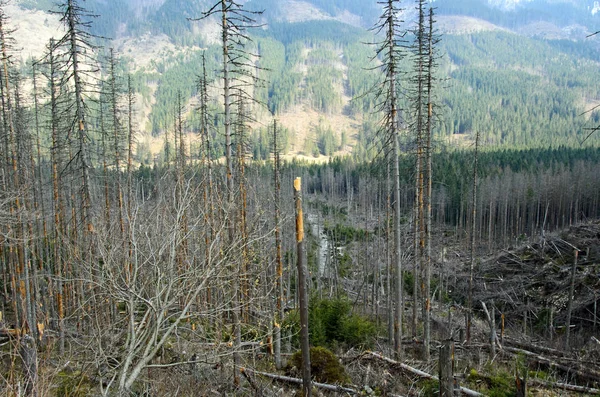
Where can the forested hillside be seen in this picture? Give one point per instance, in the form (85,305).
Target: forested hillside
(516,90)
(283,198)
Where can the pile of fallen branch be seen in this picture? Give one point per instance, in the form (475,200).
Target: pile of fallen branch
(562,361)
(249,373)
(535,278)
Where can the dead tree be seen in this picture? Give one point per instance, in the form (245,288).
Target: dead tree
(236,74)
(117,135)
(417,93)
(78,46)
(302,293)
(432,41)
(446,369)
(570,300)
(278,258)
(472,247)
(54,72)
(235,21)
(390,52)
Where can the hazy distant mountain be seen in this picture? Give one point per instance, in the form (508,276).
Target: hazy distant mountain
(500,55)
(133,17)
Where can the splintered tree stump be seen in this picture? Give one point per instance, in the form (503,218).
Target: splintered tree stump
(29,356)
(521,387)
(446,365)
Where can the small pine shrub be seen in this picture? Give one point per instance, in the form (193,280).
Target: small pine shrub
(331,324)
(497,384)
(324,366)
(429,388)
(72,384)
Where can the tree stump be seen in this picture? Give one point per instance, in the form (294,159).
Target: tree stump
(446,365)
(29,356)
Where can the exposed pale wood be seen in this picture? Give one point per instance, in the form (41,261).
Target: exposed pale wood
(288,379)
(302,291)
(9,332)
(588,374)
(446,369)
(492,325)
(565,386)
(418,372)
(534,348)
(570,302)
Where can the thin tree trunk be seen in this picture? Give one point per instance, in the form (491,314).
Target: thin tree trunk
(302,293)
(395,135)
(278,259)
(428,193)
(570,303)
(472,248)
(58,207)
(446,369)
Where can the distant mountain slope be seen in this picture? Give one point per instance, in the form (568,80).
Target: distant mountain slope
(515,90)
(518,14)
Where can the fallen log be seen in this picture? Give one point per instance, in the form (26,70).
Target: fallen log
(565,386)
(587,374)
(288,379)
(534,348)
(561,354)
(246,374)
(419,373)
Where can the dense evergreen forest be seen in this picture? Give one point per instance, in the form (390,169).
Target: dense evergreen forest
(448,245)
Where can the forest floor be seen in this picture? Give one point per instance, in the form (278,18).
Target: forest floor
(526,287)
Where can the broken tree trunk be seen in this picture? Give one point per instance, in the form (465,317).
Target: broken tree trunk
(255,387)
(587,374)
(446,368)
(565,386)
(521,375)
(492,323)
(302,293)
(418,372)
(287,379)
(29,356)
(570,305)
(534,348)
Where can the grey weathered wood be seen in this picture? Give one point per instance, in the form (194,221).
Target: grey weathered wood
(288,379)
(521,380)
(566,386)
(418,372)
(446,369)
(29,356)
(492,324)
(302,293)
(570,304)
(571,367)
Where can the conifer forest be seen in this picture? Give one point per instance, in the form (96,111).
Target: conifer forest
(299,198)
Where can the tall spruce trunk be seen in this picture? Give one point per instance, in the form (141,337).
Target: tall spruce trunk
(278,259)
(393,119)
(57,195)
(302,291)
(428,193)
(472,248)
(86,194)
